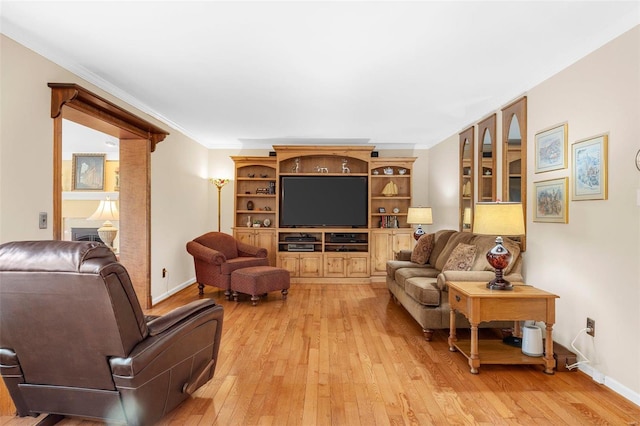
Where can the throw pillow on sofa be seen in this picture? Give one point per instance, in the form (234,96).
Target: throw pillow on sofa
(422,250)
(454,240)
(461,258)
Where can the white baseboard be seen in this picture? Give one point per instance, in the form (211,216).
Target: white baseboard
(173,291)
(612,384)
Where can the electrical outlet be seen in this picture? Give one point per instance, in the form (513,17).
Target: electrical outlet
(42,220)
(591,325)
(164,272)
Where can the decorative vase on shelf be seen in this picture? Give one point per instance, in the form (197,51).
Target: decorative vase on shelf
(249,205)
(249,222)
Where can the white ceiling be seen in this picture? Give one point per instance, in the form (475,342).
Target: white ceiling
(253,74)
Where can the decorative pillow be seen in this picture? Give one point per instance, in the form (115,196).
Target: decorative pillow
(422,250)
(461,258)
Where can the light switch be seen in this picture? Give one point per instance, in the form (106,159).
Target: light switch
(43,220)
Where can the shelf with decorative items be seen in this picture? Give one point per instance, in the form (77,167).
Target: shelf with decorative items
(466,179)
(255,202)
(390,191)
(322,160)
(487,159)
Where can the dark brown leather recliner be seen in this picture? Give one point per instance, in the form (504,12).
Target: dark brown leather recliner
(216,255)
(75,342)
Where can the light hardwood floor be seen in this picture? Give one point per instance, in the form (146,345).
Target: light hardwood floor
(347,355)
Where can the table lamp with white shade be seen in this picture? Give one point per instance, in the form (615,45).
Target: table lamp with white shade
(107,210)
(419,216)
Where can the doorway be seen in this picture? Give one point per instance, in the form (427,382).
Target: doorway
(137,139)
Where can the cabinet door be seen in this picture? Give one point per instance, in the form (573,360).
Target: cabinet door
(401,240)
(267,238)
(358,265)
(380,251)
(290,262)
(311,265)
(244,235)
(335,265)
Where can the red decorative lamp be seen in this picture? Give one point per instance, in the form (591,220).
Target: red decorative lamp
(499,219)
(419,216)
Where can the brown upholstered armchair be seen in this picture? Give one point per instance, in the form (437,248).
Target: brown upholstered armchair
(216,255)
(74,340)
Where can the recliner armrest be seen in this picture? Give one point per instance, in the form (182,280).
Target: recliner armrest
(205,253)
(173,317)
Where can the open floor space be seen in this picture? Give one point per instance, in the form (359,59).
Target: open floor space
(347,355)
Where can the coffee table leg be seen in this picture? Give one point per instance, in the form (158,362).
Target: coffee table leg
(549,360)
(474,358)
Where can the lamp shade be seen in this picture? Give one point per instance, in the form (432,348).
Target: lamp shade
(498,219)
(419,216)
(107,210)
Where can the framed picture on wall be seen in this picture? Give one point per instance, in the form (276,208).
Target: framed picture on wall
(551,149)
(589,158)
(551,203)
(88,172)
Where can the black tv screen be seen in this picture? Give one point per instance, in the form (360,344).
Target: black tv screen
(332,201)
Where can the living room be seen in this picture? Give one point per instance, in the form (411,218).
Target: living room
(597,249)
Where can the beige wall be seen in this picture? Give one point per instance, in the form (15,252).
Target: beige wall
(179,196)
(592,262)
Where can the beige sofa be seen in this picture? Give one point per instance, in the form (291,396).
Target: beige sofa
(420,287)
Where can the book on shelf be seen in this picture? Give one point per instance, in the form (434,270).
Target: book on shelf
(389,222)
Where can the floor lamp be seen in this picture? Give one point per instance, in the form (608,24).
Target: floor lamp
(219,183)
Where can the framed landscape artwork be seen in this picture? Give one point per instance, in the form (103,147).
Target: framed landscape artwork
(88,172)
(551,149)
(589,180)
(551,204)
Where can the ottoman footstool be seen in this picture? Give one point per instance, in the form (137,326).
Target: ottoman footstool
(259,280)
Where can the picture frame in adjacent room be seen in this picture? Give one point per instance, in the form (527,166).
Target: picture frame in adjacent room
(88,172)
(590,168)
(551,148)
(551,201)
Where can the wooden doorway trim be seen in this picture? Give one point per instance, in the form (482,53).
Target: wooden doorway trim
(138,138)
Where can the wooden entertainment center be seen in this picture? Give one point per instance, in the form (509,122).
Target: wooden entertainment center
(323,253)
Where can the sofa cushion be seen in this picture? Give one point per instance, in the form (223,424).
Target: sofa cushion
(454,240)
(461,258)
(484,243)
(394,265)
(441,239)
(423,290)
(402,275)
(423,248)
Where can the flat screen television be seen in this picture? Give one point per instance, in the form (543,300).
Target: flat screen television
(323,201)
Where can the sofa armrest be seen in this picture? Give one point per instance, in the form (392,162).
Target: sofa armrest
(404,255)
(206,254)
(248,250)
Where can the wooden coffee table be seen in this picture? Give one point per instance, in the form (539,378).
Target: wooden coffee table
(478,303)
